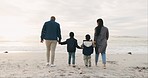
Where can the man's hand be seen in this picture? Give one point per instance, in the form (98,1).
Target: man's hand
(59,41)
(42,41)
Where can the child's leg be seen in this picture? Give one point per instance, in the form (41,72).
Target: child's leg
(73,58)
(89,60)
(85,60)
(69,58)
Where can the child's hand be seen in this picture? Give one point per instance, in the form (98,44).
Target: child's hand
(94,43)
(59,42)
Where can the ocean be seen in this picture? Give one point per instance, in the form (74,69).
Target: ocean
(116,45)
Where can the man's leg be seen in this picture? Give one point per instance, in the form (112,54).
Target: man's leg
(53,47)
(48,44)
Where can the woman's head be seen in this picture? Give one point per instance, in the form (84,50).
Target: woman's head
(98,28)
(100,22)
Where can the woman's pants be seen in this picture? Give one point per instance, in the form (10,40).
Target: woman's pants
(103,58)
(51,46)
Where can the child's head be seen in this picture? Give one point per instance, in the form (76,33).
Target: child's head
(71,34)
(87,37)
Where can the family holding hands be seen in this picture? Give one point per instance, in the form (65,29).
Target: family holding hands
(51,33)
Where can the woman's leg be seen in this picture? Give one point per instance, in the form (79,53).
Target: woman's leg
(104,59)
(96,58)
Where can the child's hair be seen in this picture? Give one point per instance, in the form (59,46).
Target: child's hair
(87,37)
(71,34)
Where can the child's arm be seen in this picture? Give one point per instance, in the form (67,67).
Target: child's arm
(82,46)
(62,43)
(78,46)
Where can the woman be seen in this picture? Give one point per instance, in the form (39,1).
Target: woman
(101,36)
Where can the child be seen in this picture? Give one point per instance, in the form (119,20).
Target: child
(87,50)
(71,48)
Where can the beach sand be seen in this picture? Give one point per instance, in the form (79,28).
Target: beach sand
(33,65)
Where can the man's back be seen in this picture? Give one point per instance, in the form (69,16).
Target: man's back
(51,30)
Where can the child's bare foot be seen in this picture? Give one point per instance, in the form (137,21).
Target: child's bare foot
(89,65)
(86,65)
(104,66)
(74,65)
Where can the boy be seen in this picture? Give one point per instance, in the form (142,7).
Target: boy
(71,48)
(87,50)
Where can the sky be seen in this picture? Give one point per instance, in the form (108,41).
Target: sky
(23,19)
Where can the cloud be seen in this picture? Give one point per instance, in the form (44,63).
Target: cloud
(79,15)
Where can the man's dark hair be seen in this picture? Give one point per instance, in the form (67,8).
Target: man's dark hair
(52,18)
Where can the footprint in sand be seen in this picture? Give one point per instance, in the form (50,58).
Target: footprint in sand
(112,62)
(140,69)
(62,75)
(86,76)
(69,74)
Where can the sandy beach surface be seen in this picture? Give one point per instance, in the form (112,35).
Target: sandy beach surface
(33,65)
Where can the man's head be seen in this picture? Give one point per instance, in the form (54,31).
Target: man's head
(53,18)
(71,34)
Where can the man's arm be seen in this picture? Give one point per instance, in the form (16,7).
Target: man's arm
(43,32)
(59,33)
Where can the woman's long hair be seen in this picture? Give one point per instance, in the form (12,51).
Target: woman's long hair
(98,28)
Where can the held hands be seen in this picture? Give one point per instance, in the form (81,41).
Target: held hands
(94,43)
(59,41)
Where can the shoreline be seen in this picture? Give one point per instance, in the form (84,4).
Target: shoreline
(77,52)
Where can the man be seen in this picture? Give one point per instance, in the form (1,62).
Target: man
(51,32)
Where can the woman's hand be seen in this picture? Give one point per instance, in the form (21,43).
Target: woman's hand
(94,43)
